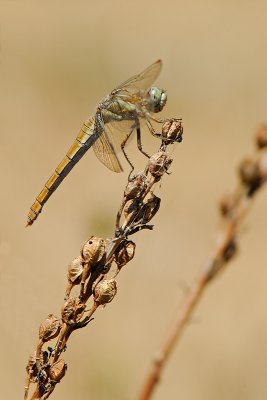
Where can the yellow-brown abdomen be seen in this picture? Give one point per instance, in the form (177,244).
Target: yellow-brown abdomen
(86,138)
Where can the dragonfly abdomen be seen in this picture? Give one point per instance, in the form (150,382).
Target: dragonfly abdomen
(82,143)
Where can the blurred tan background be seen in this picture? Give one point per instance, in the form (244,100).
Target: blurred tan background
(57,60)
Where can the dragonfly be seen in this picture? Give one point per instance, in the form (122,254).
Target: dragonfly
(117,116)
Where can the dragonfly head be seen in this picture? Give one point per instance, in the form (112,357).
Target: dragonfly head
(156,99)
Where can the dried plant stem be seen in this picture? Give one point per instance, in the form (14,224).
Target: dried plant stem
(92,272)
(162,356)
(191,301)
(233,210)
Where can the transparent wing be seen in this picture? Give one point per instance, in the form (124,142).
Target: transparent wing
(140,82)
(105,152)
(118,131)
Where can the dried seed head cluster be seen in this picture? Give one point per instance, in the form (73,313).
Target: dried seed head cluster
(91,273)
(253,170)
(233,207)
(252,174)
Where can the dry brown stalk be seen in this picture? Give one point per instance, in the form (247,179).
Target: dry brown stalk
(233,208)
(93,270)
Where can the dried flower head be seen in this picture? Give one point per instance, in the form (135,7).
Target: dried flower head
(124,253)
(131,207)
(105,291)
(159,163)
(50,328)
(227,204)
(172,131)
(93,250)
(249,172)
(149,209)
(136,186)
(72,310)
(75,270)
(57,371)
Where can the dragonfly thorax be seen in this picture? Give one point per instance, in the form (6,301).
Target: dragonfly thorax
(117,109)
(156,99)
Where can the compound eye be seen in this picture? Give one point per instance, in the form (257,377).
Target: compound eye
(154,95)
(156,99)
(163,100)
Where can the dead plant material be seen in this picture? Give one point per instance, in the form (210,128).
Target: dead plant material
(94,270)
(233,207)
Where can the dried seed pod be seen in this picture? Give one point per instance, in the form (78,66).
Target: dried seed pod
(72,311)
(93,253)
(249,173)
(74,274)
(131,207)
(50,328)
(172,130)
(261,137)
(159,163)
(93,250)
(75,270)
(136,186)
(105,291)
(124,253)
(57,371)
(227,204)
(149,209)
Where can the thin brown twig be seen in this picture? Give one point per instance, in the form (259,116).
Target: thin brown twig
(253,175)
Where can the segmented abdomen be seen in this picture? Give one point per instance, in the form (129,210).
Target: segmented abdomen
(82,143)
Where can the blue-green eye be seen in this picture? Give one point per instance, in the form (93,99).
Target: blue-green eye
(156,99)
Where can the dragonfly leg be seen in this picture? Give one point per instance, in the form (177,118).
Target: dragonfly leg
(123,144)
(152,130)
(139,142)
